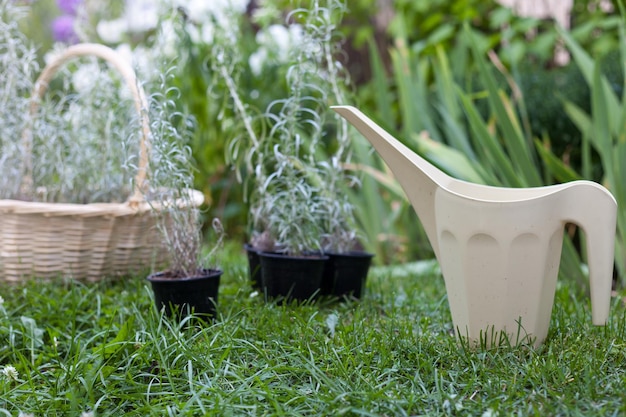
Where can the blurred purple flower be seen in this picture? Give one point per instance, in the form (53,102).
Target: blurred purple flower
(69,6)
(63,29)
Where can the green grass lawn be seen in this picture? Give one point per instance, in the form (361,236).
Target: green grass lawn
(102,349)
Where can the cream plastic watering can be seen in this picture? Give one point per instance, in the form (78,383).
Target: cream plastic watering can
(499,248)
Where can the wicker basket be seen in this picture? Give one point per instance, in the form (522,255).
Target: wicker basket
(82,241)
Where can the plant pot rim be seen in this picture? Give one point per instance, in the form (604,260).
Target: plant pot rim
(351,253)
(251,248)
(312,256)
(205,273)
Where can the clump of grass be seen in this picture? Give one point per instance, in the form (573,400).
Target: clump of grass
(103,348)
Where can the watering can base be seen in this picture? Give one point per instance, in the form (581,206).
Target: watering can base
(490,337)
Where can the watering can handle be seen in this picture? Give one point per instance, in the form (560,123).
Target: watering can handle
(594,209)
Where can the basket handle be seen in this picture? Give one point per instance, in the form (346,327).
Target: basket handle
(139,101)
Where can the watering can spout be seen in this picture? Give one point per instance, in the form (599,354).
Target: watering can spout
(594,210)
(418,178)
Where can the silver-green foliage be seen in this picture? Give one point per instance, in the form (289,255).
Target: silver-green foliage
(84,140)
(84,134)
(337,221)
(18,64)
(297,197)
(171,180)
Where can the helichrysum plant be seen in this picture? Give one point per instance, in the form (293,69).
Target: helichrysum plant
(171,181)
(291,146)
(338,230)
(297,203)
(318,81)
(18,63)
(83,137)
(88,131)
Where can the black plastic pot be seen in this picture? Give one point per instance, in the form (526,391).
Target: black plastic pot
(254,262)
(184,296)
(345,274)
(291,277)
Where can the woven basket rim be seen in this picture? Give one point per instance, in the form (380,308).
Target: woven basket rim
(195,198)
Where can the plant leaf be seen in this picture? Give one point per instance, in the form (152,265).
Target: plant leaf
(108,349)
(557,167)
(448,159)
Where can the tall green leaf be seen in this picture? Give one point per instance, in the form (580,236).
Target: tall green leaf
(448,105)
(488,146)
(380,84)
(413,93)
(516,142)
(604,130)
(448,159)
(556,166)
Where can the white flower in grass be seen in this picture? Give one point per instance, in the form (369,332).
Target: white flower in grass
(87,414)
(452,403)
(10,373)
(331,322)
(23,414)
